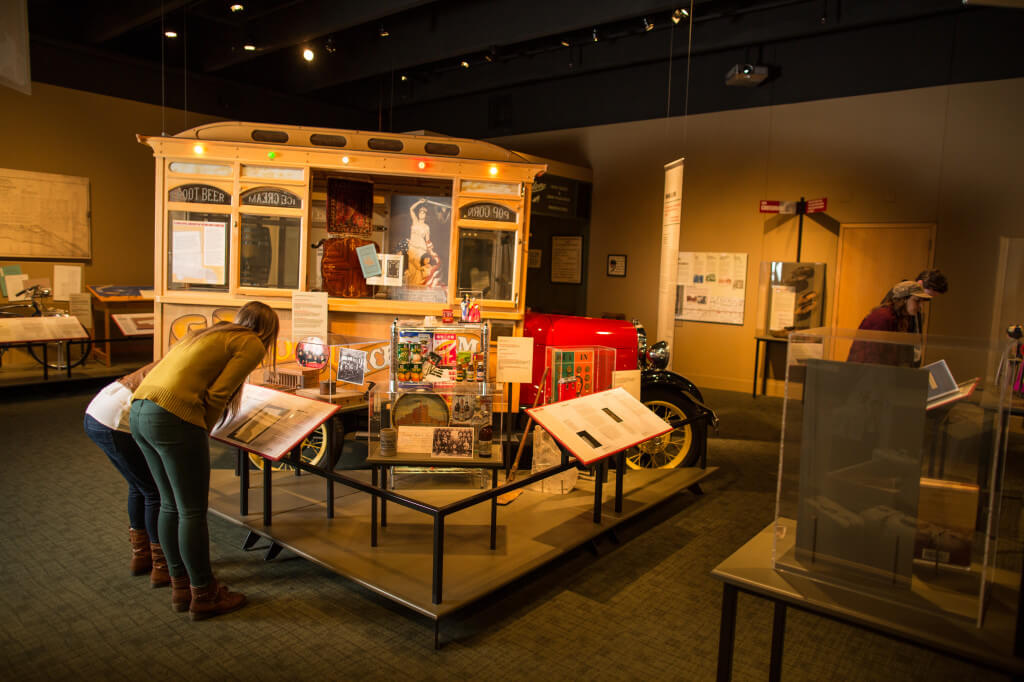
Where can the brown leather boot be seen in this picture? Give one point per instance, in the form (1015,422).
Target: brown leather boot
(213,600)
(181,593)
(141,562)
(158,577)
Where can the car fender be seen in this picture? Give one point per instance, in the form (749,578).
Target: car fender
(664,378)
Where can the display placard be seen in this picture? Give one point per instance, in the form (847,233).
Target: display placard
(199,251)
(26,329)
(270,423)
(567,260)
(711,287)
(135,324)
(599,425)
(515,359)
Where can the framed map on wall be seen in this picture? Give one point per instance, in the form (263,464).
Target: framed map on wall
(44,215)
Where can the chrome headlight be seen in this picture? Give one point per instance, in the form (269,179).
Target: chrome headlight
(641,344)
(657,355)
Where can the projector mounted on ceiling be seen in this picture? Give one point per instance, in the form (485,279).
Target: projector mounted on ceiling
(746,75)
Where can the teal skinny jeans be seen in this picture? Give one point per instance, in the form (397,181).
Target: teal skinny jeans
(178,454)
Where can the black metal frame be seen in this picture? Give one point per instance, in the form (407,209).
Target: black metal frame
(437,513)
(90,340)
(727,635)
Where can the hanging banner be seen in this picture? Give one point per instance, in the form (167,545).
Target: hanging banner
(671,217)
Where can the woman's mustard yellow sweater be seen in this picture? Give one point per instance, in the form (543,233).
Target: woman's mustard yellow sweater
(195,380)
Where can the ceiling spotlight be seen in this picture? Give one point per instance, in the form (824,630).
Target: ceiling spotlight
(403,78)
(488,58)
(647,25)
(237,7)
(171,34)
(565,43)
(382,32)
(308,54)
(595,35)
(678,15)
(249,47)
(464,64)
(329,46)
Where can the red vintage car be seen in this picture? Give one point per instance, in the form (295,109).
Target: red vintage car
(671,396)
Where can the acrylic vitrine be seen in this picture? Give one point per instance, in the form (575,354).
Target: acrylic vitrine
(337,368)
(891,471)
(575,371)
(791,296)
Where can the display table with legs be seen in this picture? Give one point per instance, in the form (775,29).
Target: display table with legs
(749,570)
(444,566)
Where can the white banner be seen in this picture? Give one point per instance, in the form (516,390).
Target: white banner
(667,276)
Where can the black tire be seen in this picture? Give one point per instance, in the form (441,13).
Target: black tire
(680,447)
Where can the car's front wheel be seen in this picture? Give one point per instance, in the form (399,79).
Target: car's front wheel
(680,447)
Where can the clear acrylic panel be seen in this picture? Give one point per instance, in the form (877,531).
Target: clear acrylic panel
(443,424)
(891,470)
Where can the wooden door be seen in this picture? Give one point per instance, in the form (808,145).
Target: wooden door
(873,257)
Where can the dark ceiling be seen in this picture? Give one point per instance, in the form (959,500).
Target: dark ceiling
(532,64)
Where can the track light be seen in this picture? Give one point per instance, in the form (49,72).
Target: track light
(308,54)
(464,64)
(488,58)
(249,47)
(678,15)
(382,32)
(329,46)
(237,7)
(595,35)
(403,78)
(565,43)
(647,25)
(171,34)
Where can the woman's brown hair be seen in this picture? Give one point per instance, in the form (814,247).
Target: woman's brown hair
(899,306)
(255,317)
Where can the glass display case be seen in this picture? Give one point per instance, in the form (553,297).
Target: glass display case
(891,471)
(436,413)
(791,296)
(443,424)
(440,354)
(575,371)
(339,369)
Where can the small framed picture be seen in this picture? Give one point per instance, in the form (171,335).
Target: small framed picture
(453,441)
(617,265)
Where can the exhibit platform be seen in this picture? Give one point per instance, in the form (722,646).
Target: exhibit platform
(532,531)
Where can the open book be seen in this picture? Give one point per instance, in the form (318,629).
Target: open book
(943,388)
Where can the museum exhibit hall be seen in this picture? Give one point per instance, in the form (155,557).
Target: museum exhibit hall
(481,340)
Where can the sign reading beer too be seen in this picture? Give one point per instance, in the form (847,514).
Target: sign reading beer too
(489,211)
(199,194)
(271,196)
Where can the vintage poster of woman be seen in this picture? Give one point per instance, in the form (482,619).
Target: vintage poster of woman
(421,229)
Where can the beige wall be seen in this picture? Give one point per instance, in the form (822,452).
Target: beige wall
(58,130)
(948,155)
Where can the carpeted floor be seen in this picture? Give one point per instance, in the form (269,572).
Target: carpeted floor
(646,609)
